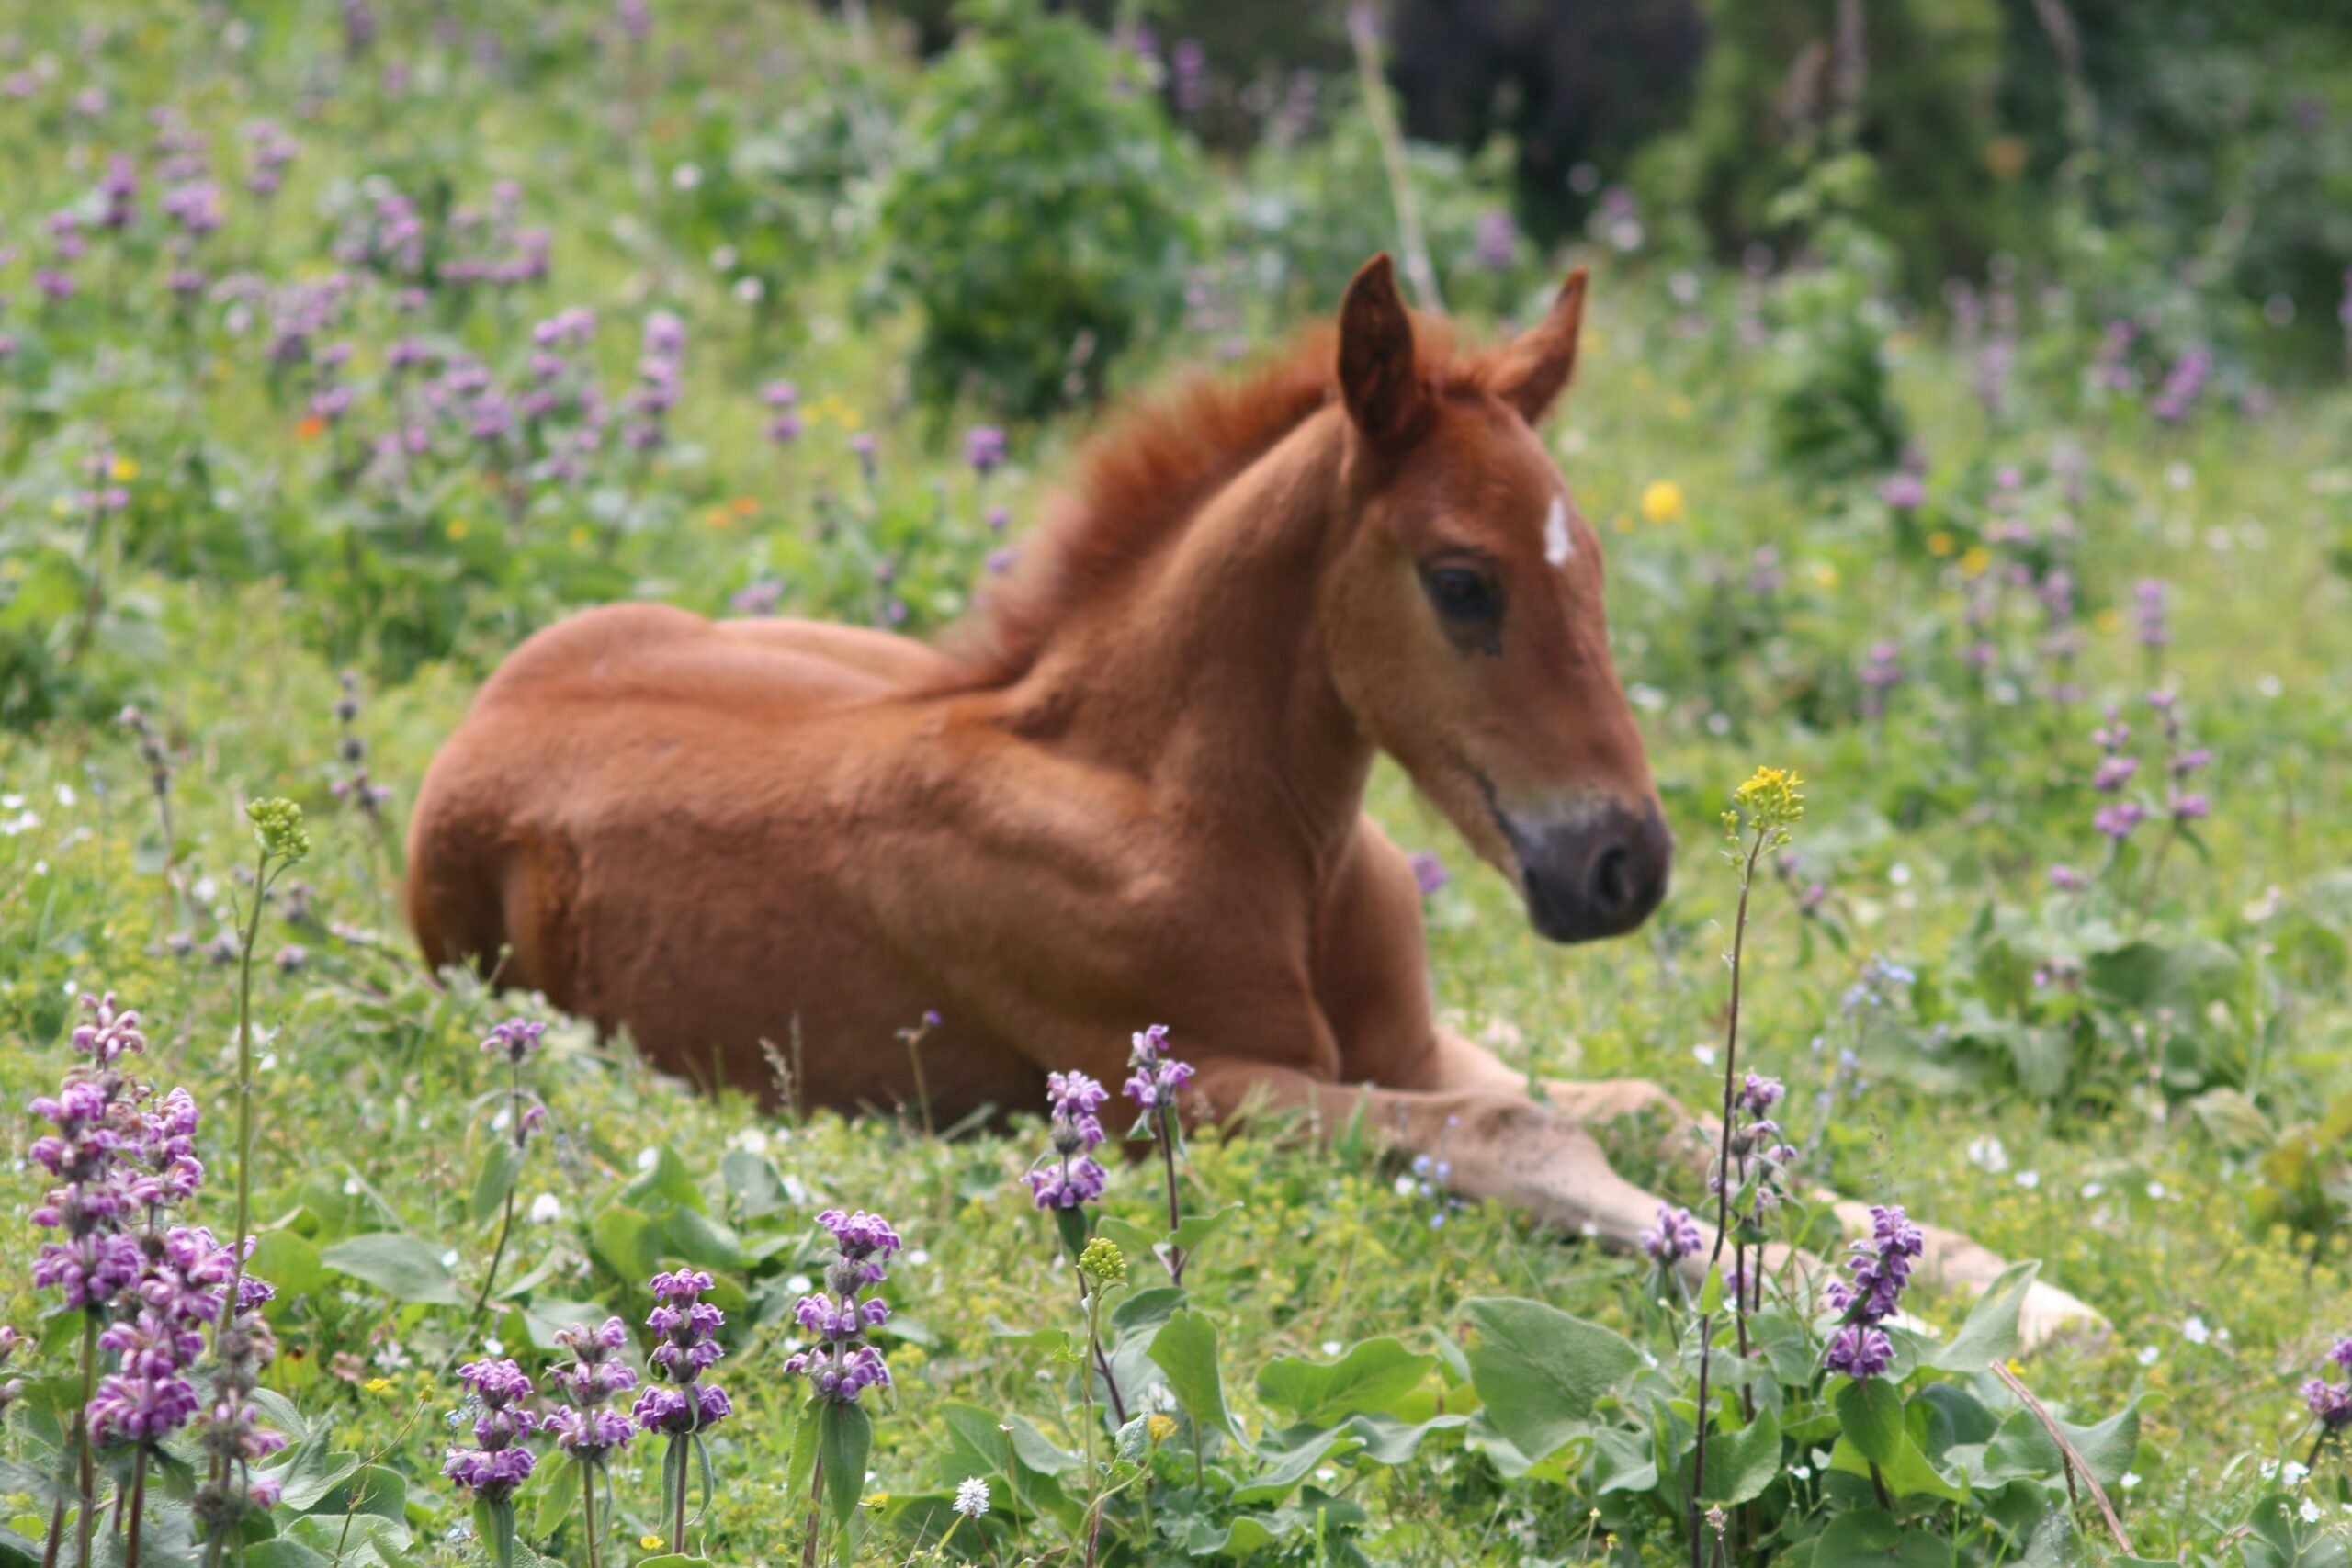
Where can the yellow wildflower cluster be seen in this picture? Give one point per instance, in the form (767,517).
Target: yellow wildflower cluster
(1769,805)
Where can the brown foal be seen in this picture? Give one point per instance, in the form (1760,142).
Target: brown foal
(1136,797)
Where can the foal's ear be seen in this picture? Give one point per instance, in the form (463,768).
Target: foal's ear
(1376,373)
(1536,366)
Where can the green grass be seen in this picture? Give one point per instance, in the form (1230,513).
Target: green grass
(227,615)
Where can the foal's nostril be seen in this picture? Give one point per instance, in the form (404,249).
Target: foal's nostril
(1612,878)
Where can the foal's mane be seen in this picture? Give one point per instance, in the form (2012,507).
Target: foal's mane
(1142,477)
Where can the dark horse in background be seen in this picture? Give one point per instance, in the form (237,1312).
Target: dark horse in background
(1135,796)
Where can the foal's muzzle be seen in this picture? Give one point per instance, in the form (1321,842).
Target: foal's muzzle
(1598,873)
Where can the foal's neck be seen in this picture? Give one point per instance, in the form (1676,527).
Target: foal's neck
(1200,669)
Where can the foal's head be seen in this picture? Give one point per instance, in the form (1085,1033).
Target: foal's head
(1463,620)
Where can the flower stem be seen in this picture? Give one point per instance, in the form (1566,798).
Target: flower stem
(1175,1210)
(138,1507)
(678,1531)
(250,935)
(87,1472)
(588,1508)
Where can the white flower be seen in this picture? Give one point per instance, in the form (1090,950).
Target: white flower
(2028,1179)
(972,1498)
(1404,1185)
(1326,1475)
(1899,873)
(2270,1468)
(917,1258)
(1802,1471)
(2194,1330)
(2156,1191)
(2093,1189)
(2148,1355)
(2309,1512)
(545,1209)
(1705,1053)
(2292,1472)
(449,1258)
(685,176)
(1332,1346)
(1987,1153)
(799,1285)
(2131,1479)
(647,1158)
(494,1345)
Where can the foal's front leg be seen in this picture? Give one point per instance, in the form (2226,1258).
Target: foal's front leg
(1950,1259)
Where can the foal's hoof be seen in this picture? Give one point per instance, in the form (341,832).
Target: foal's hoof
(2050,1317)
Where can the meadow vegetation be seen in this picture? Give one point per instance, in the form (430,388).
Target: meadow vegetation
(342,347)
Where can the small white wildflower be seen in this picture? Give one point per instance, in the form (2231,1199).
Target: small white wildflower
(2148,1354)
(917,1256)
(2270,1468)
(1705,1053)
(1403,1186)
(1988,1154)
(972,1498)
(545,1209)
(1899,873)
(1332,1346)
(647,1158)
(798,1285)
(1802,1471)
(2292,1473)
(2309,1512)
(749,289)
(2028,1179)
(449,1258)
(495,1346)
(1326,1475)
(2131,1479)
(2093,1189)
(2194,1330)
(685,176)
(2156,1191)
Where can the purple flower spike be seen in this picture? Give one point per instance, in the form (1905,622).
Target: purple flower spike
(1860,1351)
(1675,1236)
(1430,874)
(1157,1078)
(985,449)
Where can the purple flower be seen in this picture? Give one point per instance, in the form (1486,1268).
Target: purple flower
(1076,1098)
(1430,874)
(110,1034)
(1881,1266)
(2113,772)
(984,449)
(517,1040)
(2190,806)
(1157,1078)
(866,1240)
(2117,820)
(1070,1182)
(665,335)
(491,1474)
(1903,491)
(129,1408)
(1860,1351)
(1758,1095)
(2067,879)
(1675,1237)
(2148,611)
(843,1377)
(1498,239)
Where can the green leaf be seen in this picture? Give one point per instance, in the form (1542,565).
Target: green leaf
(288,1262)
(501,1164)
(844,1435)
(1371,1378)
(1910,1475)
(496,1524)
(1869,1410)
(624,1238)
(2023,1447)
(371,1489)
(667,1183)
(753,1181)
(1990,1334)
(703,1241)
(1185,1349)
(1541,1371)
(556,1502)
(1741,1465)
(306,1471)
(402,1266)
(1195,1229)
(802,1465)
(282,1551)
(1869,1538)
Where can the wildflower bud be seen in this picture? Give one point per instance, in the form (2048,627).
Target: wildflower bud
(277,828)
(1103,1262)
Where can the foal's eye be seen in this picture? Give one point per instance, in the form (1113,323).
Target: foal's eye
(1463,598)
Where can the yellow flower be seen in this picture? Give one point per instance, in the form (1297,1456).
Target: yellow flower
(62,507)
(458,528)
(579,536)
(1662,502)
(875,1499)
(851,419)
(2108,620)
(1773,797)
(1940,543)
(377,1385)
(651,1542)
(1977,559)
(125,470)
(1159,1428)
(1825,574)
(1624,522)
